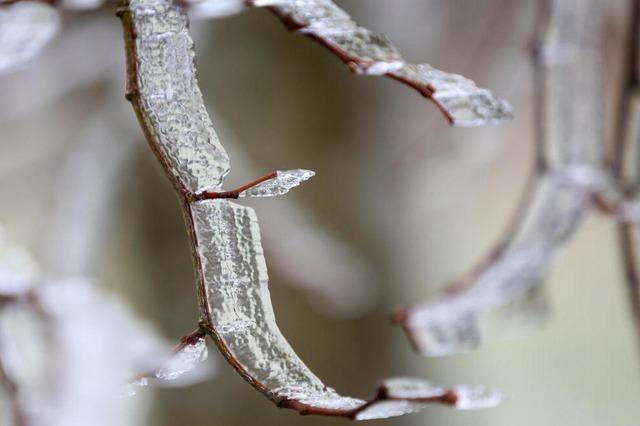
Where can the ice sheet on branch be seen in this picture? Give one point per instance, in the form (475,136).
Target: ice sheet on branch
(26,27)
(237,307)
(366,52)
(570,170)
(171,100)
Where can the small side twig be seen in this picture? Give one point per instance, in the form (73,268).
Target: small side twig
(234,193)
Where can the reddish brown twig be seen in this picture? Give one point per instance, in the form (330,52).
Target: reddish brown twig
(461,102)
(234,193)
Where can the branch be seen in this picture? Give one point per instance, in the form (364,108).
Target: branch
(366,52)
(232,281)
(569,169)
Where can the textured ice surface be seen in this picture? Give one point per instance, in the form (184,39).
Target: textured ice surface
(284,181)
(238,306)
(171,101)
(371,53)
(26,27)
(464,102)
(571,153)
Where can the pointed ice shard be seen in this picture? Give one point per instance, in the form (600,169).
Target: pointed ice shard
(284,181)
(186,360)
(26,27)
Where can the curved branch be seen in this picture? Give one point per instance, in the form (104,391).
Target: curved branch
(366,52)
(569,169)
(233,294)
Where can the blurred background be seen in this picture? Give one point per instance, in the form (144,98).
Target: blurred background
(401,205)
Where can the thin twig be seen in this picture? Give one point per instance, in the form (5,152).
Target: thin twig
(234,193)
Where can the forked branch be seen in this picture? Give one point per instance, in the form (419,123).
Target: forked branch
(232,281)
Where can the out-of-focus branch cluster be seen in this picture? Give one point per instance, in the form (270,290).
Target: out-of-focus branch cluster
(570,170)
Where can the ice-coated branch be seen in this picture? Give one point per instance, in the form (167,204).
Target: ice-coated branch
(366,52)
(239,314)
(232,282)
(569,170)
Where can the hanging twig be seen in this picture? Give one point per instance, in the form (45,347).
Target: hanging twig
(366,52)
